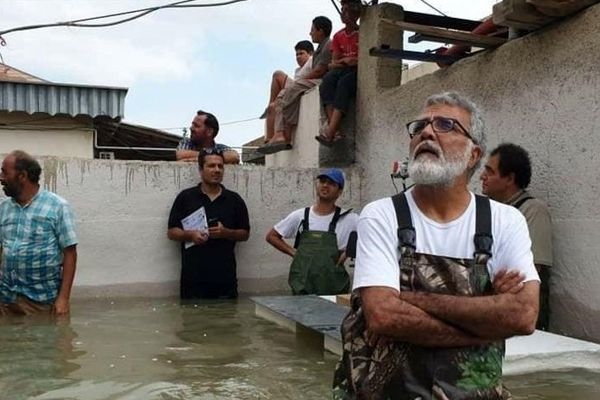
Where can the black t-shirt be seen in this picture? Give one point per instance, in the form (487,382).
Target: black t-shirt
(214,261)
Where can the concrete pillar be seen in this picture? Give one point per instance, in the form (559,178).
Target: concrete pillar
(374,73)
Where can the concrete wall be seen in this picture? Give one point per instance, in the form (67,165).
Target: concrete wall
(305,153)
(44,135)
(541,91)
(121,214)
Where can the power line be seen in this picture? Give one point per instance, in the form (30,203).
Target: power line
(432,7)
(221,124)
(140,13)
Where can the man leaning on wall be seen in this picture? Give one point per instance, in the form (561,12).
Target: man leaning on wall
(208,220)
(38,240)
(505,178)
(203,131)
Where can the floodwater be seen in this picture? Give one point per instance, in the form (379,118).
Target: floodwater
(130,349)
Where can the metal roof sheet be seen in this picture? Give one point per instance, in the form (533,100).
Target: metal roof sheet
(56,98)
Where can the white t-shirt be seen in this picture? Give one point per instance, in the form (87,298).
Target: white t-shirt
(377,249)
(303,71)
(288,227)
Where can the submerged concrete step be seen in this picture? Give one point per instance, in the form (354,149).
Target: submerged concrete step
(321,316)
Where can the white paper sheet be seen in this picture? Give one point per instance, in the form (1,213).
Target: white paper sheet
(196,221)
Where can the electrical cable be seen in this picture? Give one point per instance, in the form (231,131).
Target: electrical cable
(432,7)
(140,13)
(222,124)
(336,7)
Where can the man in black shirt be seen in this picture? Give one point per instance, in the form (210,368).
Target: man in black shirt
(208,267)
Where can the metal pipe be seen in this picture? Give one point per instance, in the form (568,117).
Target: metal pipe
(102,147)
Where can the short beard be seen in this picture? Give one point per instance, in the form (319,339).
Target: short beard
(440,172)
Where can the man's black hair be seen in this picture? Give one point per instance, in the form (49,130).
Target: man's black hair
(210,151)
(210,121)
(513,159)
(323,24)
(305,45)
(25,162)
(353,5)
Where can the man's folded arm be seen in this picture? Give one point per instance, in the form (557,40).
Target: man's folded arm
(387,315)
(495,316)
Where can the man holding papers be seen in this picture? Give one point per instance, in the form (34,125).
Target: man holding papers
(208,220)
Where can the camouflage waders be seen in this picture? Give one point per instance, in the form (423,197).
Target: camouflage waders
(388,369)
(314,269)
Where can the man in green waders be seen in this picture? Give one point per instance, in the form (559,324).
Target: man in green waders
(321,233)
(426,322)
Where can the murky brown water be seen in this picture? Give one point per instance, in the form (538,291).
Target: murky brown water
(159,349)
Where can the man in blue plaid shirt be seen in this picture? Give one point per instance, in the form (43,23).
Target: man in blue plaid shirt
(38,241)
(203,130)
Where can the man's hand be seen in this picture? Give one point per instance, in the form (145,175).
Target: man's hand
(341,259)
(199,237)
(61,307)
(218,232)
(349,61)
(508,282)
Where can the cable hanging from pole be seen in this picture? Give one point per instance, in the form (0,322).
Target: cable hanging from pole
(139,13)
(432,7)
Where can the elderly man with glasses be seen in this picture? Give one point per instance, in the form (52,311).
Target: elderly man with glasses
(442,275)
(208,220)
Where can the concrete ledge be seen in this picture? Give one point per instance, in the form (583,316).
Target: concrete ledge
(541,351)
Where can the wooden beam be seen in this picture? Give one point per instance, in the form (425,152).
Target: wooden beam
(412,55)
(419,37)
(561,8)
(519,14)
(470,38)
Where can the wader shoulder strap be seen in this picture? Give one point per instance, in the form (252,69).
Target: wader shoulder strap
(483,226)
(335,219)
(519,203)
(303,227)
(406,230)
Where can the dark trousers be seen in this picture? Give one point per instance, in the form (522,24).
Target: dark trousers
(338,88)
(544,316)
(208,291)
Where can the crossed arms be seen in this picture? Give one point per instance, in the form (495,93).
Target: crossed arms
(229,156)
(436,320)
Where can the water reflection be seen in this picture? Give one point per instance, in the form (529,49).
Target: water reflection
(132,349)
(37,353)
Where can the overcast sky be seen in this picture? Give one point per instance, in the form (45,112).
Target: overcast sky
(176,61)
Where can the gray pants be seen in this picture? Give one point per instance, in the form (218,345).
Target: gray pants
(287,108)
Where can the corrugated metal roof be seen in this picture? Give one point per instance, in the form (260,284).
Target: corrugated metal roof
(56,98)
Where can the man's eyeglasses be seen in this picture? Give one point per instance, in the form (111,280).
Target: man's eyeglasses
(207,151)
(438,124)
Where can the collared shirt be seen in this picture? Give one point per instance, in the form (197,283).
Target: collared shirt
(186,144)
(540,226)
(33,238)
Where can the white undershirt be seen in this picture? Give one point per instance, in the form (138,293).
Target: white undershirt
(377,249)
(288,226)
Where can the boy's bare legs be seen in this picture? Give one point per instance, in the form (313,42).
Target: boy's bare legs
(270,122)
(333,127)
(277,84)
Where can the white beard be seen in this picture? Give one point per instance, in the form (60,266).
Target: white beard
(440,171)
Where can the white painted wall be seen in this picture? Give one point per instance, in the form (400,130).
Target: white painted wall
(43,135)
(122,208)
(49,142)
(541,91)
